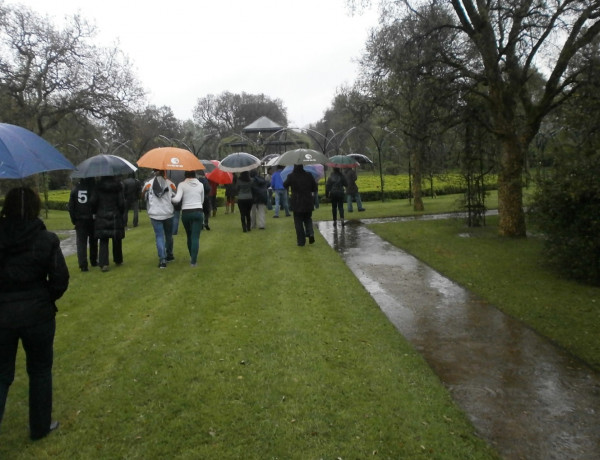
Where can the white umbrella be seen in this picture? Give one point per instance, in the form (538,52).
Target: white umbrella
(239,162)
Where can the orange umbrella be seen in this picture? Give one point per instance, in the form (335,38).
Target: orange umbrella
(170,158)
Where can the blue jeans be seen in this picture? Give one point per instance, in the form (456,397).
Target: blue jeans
(281,201)
(193,221)
(163,231)
(356,196)
(38,343)
(176,217)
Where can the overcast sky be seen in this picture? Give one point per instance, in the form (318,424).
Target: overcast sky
(299,51)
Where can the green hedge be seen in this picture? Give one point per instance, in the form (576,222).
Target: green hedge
(369,184)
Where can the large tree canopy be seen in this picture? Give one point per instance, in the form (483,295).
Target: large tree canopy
(497,46)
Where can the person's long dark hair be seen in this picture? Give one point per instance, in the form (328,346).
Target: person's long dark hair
(21,203)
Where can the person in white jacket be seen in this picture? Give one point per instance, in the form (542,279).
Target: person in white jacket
(190,193)
(157,193)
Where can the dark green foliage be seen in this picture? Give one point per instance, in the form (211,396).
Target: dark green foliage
(567,210)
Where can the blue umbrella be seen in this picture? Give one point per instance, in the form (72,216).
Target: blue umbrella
(24,153)
(316,170)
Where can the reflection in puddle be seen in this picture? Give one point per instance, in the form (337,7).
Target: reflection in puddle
(528,398)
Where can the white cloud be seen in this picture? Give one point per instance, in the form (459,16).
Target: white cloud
(299,52)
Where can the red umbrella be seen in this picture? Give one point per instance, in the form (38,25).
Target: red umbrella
(219,176)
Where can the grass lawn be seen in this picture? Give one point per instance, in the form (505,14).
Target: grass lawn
(266,350)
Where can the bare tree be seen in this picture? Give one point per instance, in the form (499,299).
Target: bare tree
(228,112)
(48,73)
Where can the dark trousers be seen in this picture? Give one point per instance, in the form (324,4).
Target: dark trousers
(38,342)
(193,222)
(117,251)
(304,226)
(245,207)
(133,205)
(337,204)
(84,235)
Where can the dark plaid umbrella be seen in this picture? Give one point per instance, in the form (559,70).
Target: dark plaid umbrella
(103,165)
(362,159)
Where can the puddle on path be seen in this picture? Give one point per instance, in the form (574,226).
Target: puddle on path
(526,397)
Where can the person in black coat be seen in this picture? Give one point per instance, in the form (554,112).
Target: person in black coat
(206,205)
(108,204)
(82,217)
(33,276)
(303,187)
(132,188)
(335,190)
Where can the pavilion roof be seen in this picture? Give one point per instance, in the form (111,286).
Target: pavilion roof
(262,124)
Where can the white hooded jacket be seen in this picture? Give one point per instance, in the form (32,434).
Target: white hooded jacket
(159,207)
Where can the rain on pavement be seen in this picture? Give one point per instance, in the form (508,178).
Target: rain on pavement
(526,397)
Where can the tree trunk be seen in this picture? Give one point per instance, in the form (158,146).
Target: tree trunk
(416,183)
(510,190)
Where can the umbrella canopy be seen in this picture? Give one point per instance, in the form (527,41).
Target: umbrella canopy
(209,165)
(269,160)
(170,158)
(342,161)
(103,165)
(318,171)
(360,158)
(239,162)
(23,153)
(220,177)
(301,157)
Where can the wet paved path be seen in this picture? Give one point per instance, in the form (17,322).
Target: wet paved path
(525,396)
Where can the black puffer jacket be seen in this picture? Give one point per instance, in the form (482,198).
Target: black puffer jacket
(303,186)
(108,204)
(33,273)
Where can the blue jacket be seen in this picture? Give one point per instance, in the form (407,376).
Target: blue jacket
(277,181)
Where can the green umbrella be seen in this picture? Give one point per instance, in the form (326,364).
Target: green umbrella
(342,161)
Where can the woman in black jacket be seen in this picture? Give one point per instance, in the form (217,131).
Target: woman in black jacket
(33,275)
(335,190)
(108,204)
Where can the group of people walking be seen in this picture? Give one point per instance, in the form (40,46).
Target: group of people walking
(99,209)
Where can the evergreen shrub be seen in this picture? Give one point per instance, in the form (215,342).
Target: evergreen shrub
(566,209)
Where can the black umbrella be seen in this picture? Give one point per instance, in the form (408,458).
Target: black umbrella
(103,165)
(301,157)
(209,165)
(360,158)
